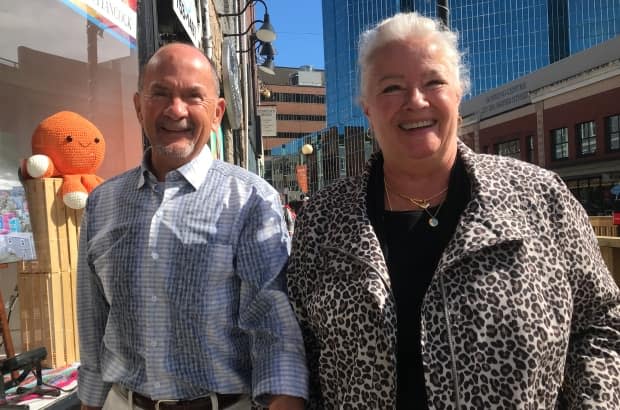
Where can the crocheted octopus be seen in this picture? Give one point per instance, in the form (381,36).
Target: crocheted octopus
(69,146)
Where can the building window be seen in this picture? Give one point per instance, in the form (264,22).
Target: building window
(509,149)
(300,117)
(559,141)
(586,137)
(294,98)
(530,149)
(612,132)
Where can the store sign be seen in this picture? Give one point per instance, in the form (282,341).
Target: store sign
(505,98)
(118,17)
(267,114)
(186,12)
(117,12)
(231,78)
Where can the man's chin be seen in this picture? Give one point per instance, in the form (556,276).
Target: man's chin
(174,152)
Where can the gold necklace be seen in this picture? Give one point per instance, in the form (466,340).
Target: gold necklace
(420,203)
(432,220)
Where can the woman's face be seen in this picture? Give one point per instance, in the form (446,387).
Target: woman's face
(411,99)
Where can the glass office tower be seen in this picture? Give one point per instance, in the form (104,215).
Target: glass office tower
(343,21)
(592,22)
(502,39)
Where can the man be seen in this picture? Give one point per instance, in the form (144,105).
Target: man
(181,304)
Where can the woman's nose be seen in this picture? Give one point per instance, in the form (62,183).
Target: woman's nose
(416,98)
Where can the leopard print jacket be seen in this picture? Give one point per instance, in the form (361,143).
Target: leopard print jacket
(521,313)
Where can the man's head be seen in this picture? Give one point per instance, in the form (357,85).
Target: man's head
(178,105)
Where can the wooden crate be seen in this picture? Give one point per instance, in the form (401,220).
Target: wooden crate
(47,314)
(47,286)
(55,227)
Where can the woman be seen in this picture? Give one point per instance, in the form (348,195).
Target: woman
(442,278)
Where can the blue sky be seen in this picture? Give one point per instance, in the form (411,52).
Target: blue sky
(299,29)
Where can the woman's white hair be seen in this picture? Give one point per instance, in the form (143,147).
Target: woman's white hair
(408,27)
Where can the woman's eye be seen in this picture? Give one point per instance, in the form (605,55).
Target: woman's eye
(436,83)
(391,88)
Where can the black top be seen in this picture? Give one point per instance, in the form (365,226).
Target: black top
(412,249)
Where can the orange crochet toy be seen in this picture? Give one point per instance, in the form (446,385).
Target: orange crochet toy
(67,145)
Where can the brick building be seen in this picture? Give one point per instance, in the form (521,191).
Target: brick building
(565,117)
(298,96)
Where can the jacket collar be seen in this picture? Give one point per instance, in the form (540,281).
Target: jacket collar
(490,226)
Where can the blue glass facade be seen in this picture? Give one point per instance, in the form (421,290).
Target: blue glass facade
(343,21)
(502,39)
(592,22)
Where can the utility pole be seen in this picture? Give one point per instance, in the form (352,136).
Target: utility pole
(443,13)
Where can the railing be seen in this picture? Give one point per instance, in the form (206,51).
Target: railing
(610,249)
(603,226)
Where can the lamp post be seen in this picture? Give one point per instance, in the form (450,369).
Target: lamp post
(266,33)
(443,13)
(261,37)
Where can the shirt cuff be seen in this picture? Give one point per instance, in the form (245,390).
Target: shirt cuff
(279,373)
(92,390)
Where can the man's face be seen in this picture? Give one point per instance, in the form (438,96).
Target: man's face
(177,106)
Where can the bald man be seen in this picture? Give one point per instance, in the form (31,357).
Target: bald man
(181,299)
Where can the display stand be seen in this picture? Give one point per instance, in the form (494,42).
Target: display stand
(47,286)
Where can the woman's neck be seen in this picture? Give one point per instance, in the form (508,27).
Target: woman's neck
(424,179)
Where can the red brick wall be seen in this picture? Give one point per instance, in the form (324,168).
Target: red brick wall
(594,108)
(519,128)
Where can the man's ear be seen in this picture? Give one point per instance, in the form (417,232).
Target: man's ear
(137,106)
(220,108)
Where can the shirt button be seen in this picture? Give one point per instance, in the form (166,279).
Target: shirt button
(154,343)
(157,384)
(154,298)
(155,255)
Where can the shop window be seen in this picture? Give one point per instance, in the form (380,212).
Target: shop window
(612,132)
(559,143)
(586,138)
(510,148)
(68,61)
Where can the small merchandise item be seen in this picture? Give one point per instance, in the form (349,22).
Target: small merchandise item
(67,145)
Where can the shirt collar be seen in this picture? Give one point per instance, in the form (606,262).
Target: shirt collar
(195,171)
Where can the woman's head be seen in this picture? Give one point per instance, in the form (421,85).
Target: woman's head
(412,27)
(412,82)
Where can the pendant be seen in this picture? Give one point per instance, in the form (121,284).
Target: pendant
(433,222)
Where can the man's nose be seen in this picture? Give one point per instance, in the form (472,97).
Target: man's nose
(177,108)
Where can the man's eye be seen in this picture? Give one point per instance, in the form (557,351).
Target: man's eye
(159,94)
(195,98)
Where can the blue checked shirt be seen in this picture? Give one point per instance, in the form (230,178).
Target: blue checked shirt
(181,290)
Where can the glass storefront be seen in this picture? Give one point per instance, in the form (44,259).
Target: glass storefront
(68,56)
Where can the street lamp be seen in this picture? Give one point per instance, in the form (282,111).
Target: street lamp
(266,33)
(266,50)
(262,38)
(307,149)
